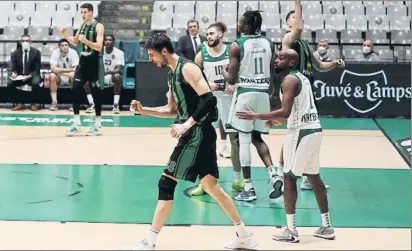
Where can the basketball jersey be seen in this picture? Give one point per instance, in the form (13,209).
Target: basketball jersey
(186,98)
(304,65)
(116,57)
(89,31)
(255,61)
(213,65)
(70,60)
(304,114)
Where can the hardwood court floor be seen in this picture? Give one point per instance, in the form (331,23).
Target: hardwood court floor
(111,181)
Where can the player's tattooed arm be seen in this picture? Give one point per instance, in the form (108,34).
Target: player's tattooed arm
(295,29)
(231,72)
(290,88)
(98,45)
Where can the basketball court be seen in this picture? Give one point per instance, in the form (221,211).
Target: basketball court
(100,192)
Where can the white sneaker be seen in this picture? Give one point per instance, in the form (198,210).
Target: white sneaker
(242,243)
(73,130)
(225,153)
(140,245)
(305,185)
(275,186)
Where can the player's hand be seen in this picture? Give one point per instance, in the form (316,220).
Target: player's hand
(13,75)
(275,122)
(247,115)
(230,89)
(213,86)
(63,31)
(340,63)
(82,38)
(177,130)
(136,107)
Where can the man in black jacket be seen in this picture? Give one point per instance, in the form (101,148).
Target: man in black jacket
(25,77)
(188,45)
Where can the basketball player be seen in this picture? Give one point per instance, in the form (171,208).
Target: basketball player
(212,58)
(302,143)
(114,64)
(307,61)
(249,68)
(63,62)
(191,99)
(90,69)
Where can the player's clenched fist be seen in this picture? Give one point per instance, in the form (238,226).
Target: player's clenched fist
(136,107)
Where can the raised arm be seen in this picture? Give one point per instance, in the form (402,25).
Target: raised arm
(74,40)
(231,73)
(295,29)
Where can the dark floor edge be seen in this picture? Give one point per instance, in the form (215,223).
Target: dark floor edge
(206,225)
(392,142)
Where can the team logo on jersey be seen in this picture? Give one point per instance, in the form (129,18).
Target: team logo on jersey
(356,88)
(113,56)
(171,166)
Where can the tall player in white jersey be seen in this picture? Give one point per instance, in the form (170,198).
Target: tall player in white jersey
(302,143)
(249,69)
(113,69)
(213,57)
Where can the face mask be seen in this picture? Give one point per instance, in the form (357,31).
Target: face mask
(322,49)
(366,49)
(25,45)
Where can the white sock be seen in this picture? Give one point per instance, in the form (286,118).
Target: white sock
(241,229)
(98,121)
(271,171)
(280,170)
(236,176)
(151,237)
(248,184)
(90,99)
(116,99)
(326,220)
(54,97)
(77,120)
(290,219)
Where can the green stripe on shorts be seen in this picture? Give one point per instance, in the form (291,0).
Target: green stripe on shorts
(241,90)
(306,132)
(189,153)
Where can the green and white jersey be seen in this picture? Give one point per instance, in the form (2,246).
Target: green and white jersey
(213,65)
(255,61)
(304,114)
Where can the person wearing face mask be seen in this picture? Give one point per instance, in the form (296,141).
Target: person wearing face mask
(322,53)
(25,77)
(368,54)
(188,45)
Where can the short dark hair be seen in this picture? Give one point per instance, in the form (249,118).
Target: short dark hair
(63,40)
(192,21)
(25,35)
(221,26)
(289,14)
(158,41)
(87,6)
(110,35)
(254,20)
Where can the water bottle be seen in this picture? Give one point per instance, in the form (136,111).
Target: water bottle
(46,80)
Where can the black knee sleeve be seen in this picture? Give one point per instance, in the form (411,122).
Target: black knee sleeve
(166,188)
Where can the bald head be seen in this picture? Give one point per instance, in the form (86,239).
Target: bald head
(286,59)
